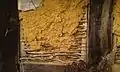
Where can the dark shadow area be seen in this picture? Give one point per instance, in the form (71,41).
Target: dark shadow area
(9,35)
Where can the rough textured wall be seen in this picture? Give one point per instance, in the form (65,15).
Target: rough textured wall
(53,26)
(55,33)
(116,24)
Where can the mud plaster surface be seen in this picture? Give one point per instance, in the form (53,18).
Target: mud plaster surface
(52,26)
(116,22)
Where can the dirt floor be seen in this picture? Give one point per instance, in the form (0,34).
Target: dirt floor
(116,68)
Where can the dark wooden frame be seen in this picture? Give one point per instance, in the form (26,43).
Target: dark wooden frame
(97,47)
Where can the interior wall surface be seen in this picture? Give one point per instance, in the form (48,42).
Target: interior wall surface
(58,26)
(116,23)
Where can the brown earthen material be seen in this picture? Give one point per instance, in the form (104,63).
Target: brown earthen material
(116,22)
(52,26)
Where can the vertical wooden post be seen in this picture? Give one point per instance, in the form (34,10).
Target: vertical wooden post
(94,26)
(100,33)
